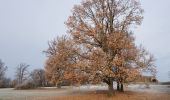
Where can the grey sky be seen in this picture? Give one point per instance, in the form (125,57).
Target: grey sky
(27,25)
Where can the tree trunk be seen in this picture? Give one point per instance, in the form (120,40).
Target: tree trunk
(59,85)
(109,82)
(111,91)
(118,86)
(122,88)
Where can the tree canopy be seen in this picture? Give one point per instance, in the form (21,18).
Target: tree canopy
(101,46)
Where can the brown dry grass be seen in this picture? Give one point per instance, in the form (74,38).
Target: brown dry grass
(119,96)
(99,95)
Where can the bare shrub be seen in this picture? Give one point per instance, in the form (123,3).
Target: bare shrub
(25,85)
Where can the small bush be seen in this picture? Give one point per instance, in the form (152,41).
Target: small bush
(64,83)
(26,85)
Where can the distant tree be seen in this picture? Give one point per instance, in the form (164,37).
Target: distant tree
(22,73)
(7,83)
(38,77)
(3,69)
(13,83)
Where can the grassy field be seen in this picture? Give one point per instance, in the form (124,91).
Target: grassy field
(133,92)
(118,96)
(103,96)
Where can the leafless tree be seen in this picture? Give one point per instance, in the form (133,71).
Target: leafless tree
(22,73)
(38,77)
(3,69)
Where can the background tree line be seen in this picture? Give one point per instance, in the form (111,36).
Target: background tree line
(23,78)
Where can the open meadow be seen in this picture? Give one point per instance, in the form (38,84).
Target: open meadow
(132,92)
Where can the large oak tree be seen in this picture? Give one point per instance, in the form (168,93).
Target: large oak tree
(102,45)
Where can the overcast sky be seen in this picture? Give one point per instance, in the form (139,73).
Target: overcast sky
(27,25)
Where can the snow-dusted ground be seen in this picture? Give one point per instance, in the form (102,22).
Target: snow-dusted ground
(11,94)
(132,87)
(151,89)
